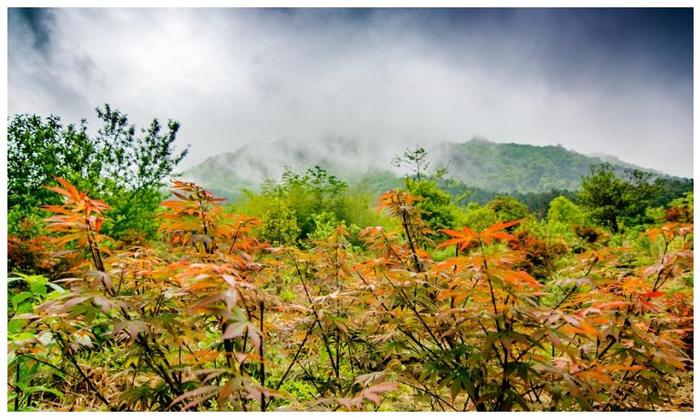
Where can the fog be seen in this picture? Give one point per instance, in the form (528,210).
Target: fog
(615,82)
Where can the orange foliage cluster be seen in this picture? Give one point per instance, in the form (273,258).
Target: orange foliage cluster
(203,324)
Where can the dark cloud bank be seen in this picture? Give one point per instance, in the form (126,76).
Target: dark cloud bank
(614,81)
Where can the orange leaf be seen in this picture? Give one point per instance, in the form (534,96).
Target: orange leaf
(652,294)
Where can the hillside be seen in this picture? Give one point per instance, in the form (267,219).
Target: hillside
(513,167)
(227,174)
(478,163)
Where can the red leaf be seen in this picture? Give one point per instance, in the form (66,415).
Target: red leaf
(653,294)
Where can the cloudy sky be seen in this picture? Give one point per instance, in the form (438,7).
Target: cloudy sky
(597,81)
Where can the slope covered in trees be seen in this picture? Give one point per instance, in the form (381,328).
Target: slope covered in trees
(488,168)
(314,293)
(517,167)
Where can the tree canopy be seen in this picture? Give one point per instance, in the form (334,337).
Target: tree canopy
(125,166)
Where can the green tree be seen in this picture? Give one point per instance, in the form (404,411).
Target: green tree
(436,205)
(508,208)
(39,149)
(416,161)
(280,226)
(124,166)
(301,196)
(563,211)
(476,216)
(135,161)
(605,195)
(614,201)
(314,192)
(641,194)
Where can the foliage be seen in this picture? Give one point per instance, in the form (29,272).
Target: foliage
(125,168)
(280,226)
(217,317)
(40,149)
(532,174)
(435,204)
(508,208)
(670,189)
(680,209)
(521,168)
(563,211)
(290,209)
(614,201)
(501,208)
(416,161)
(477,216)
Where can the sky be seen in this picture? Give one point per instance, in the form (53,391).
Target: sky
(611,81)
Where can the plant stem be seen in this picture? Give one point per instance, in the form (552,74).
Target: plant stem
(262,355)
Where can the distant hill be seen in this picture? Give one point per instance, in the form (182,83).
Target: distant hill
(509,167)
(478,163)
(248,167)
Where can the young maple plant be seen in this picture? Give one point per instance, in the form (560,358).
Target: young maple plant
(215,318)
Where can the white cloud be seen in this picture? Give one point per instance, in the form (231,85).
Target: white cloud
(231,77)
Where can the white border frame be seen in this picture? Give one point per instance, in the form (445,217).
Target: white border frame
(5,4)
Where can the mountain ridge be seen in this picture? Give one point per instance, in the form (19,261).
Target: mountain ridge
(478,162)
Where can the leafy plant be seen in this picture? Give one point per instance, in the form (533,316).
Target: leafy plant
(119,165)
(220,317)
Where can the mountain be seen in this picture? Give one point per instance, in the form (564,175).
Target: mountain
(478,163)
(616,161)
(509,167)
(249,166)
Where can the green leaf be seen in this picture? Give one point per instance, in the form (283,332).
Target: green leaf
(18,298)
(39,389)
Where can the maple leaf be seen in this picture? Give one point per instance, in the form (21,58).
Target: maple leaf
(461,238)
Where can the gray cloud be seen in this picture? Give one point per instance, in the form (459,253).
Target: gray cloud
(391,78)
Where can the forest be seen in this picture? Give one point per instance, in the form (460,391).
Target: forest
(131,289)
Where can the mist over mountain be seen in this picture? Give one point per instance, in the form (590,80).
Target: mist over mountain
(613,80)
(255,162)
(477,163)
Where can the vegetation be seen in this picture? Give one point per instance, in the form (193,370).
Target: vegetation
(313,294)
(299,207)
(483,167)
(509,168)
(118,165)
(614,201)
